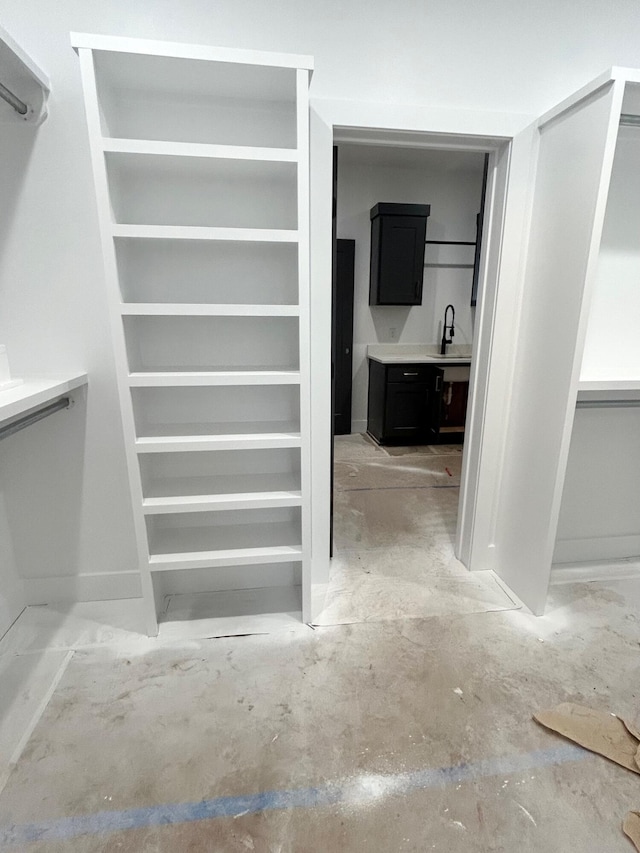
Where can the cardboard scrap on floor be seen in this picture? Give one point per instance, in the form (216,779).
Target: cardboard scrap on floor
(631,827)
(597,731)
(603,733)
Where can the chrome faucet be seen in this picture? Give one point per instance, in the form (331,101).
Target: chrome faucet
(443,345)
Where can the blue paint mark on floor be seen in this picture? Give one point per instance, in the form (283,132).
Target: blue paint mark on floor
(331,794)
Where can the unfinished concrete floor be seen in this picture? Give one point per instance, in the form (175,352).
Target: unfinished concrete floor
(395,735)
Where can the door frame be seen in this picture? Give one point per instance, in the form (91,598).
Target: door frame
(510,139)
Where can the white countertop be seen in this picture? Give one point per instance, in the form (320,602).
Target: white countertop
(418,354)
(34,393)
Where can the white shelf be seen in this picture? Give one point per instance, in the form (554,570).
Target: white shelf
(35,393)
(231,557)
(203,309)
(198,149)
(609,390)
(209,503)
(238,437)
(204,232)
(195,378)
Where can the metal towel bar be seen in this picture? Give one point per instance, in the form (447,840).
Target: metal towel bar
(34,417)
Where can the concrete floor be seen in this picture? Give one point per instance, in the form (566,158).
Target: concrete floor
(403,734)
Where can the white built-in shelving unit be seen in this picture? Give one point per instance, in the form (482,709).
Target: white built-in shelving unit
(200,159)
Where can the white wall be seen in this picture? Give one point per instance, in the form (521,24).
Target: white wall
(451,182)
(599,517)
(612,346)
(52,302)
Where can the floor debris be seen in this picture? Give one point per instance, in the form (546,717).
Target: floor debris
(597,731)
(605,734)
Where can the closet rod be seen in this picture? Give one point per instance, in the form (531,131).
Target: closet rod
(34,417)
(18,105)
(629,120)
(449,243)
(607,404)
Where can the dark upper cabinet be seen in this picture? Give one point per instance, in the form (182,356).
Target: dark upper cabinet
(398,234)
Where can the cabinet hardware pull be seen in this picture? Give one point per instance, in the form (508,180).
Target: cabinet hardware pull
(410,374)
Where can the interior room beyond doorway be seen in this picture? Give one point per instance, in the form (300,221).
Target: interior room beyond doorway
(397,471)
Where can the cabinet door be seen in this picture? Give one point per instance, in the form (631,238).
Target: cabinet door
(397,261)
(406,411)
(434,404)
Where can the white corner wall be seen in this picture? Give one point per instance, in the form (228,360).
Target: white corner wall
(451,182)
(52,297)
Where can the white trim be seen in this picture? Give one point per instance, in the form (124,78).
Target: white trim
(304,302)
(149,47)
(597,548)
(103,586)
(440,128)
(490,128)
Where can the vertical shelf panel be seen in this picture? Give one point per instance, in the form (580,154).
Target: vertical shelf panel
(92,108)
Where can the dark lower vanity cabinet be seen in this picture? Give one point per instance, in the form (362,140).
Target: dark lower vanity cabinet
(405,403)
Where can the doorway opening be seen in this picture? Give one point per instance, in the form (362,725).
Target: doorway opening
(402,352)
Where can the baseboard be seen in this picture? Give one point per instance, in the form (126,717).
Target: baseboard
(85,587)
(601,548)
(358,426)
(588,572)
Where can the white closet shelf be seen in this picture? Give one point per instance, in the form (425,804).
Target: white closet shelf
(194,378)
(204,309)
(234,439)
(230,557)
(204,232)
(209,503)
(34,393)
(608,389)
(198,149)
